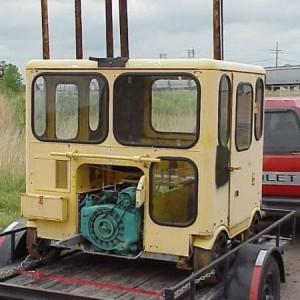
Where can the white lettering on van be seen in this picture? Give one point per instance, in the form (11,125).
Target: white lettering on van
(281,178)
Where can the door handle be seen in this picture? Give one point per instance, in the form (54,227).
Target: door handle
(234,168)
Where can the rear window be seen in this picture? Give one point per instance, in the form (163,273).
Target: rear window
(282,131)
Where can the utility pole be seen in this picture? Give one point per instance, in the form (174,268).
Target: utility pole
(163,55)
(276,52)
(191,53)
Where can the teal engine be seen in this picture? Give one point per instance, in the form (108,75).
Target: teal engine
(112,222)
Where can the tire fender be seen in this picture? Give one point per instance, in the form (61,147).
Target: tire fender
(253,263)
(5,243)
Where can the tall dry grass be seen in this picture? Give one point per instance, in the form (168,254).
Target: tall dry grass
(12,162)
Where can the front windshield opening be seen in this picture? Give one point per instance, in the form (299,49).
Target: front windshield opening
(282,132)
(159,110)
(70,108)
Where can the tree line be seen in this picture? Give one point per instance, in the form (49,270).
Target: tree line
(10,79)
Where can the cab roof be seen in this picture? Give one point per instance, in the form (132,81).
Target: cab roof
(202,64)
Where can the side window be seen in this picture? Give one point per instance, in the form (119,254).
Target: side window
(94,104)
(66,111)
(224,110)
(70,107)
(39,103)
(157,110)
(173,194)
(243,125)
(259,108)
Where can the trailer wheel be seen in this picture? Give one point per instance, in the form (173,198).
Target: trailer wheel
(256,274)
(254,227)
(39,249)
(270,281)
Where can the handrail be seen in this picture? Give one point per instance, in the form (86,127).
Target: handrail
(190,280)
(105,156)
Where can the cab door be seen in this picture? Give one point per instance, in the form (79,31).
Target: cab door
(241,192)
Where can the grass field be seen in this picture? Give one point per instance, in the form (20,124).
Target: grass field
(12,159)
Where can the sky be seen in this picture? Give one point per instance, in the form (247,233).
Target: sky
(251,30)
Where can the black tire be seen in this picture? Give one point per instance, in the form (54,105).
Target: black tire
(269,288)
(254,227)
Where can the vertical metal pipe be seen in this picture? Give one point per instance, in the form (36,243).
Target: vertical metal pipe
(109,29)
(218,29)
(123,28)
(45,29)
(78,29)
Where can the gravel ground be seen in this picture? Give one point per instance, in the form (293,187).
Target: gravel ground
(290,290)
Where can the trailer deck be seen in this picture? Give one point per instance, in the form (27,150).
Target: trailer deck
(76,275)
(82,276)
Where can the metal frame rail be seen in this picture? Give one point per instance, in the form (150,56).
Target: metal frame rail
(188,285)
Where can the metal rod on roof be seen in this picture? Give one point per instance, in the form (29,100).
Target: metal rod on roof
(218,29)
(45,29)
(78,29)
(123,28)
(109,29)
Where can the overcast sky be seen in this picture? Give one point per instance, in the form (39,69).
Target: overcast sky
(251,29)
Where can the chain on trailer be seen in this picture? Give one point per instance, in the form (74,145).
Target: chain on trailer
(186,287)
(27,263)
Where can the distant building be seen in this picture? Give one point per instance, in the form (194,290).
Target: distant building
(283,77)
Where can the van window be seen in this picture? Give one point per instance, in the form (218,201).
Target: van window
(282,131)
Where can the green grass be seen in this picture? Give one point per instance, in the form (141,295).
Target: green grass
(283,93)
(11,185)
(12,157)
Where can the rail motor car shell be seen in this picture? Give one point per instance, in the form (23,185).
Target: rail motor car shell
(195,187)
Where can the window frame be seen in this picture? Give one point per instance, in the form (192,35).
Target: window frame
(92,75)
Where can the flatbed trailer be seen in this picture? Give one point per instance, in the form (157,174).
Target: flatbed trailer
(77,275)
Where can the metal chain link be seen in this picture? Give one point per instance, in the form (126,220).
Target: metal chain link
(27,262)
(197,280)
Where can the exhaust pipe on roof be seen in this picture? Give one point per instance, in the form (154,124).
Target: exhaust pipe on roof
(123,28)
(109,29)
(45,29)
(218,29)
(78,29)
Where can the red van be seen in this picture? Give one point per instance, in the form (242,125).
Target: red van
(281,164)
